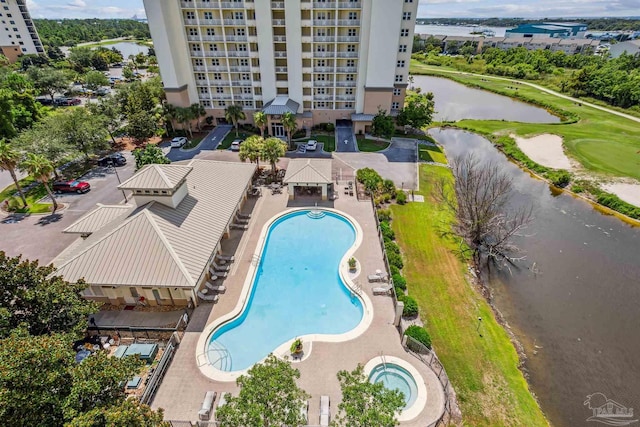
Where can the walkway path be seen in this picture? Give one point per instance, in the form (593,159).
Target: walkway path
(542,89)
(208,143)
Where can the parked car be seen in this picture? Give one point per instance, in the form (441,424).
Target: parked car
(115,159)
(312,145)
(44,100)
(178,141)
(71,186)
(67,101)
(235,145)
(116,65)
(103,91)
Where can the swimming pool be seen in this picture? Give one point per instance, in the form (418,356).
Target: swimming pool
(395,377)
(296,291)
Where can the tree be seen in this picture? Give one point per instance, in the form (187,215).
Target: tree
(251,149)
(151,154)
(94,80)
(272,150)
(269,396)
(55,53)
(366,404)
(382,124)
(48,80)
(418,110)
(80,57)
(260,119)
(40,168)
(45,303)
(141,124)
(40,140)
(290,124)
(109,110)
(125,414)
(127,73)
(478,200)
(9,160)
(234,114)
(82,130)
(197,112)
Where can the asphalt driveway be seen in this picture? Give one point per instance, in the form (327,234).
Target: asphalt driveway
(209,143)
(345,140)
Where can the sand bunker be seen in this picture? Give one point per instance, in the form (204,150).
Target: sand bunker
(545,149)
(630,193)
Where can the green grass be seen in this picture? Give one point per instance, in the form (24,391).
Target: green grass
(371,145)
(329,141)
(231,136)
(431,153)
(491,390)
(32,196)
(602,142)
(192,144)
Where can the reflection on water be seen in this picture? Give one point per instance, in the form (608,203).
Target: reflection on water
(455,101)
(574,301)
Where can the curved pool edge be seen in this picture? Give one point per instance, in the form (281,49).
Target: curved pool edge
(281,351)
(421,398)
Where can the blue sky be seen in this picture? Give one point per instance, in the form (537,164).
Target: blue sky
(56,9)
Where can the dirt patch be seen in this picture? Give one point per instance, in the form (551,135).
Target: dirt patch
(545,149)
(126,143)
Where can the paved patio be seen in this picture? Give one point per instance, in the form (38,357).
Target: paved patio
(184,386)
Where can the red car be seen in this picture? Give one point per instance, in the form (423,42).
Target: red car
(71,187)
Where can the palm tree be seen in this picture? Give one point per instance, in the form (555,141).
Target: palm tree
(40,168)
(9,159)
(288,120)
(169,112)
(260,119)
(272,150)
(251,149)
(233,114)
(198,111)
(184,117)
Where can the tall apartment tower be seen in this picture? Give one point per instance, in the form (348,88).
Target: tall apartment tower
(18,35)
(324,60)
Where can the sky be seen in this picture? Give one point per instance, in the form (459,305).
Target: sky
(56,9)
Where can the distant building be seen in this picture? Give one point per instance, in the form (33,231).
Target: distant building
(18,35)
(549,29)
(631,47)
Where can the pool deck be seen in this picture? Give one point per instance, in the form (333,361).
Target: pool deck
(184,386)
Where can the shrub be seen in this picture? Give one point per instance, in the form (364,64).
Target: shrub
(559,178)
(394,270)
(401,197)
(300,133)
(387,232)
(384,215)
(419,334)
(399,292)
(369,178)
(385,197)
(577,188)
(388,187)
(392,247)
(395,260)
(399,281)
(410,306)
(329,127)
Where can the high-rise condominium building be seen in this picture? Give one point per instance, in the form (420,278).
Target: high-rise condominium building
(324,60)
(18,35)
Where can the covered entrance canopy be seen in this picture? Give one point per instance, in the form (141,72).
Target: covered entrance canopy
(274,110)
(308,175)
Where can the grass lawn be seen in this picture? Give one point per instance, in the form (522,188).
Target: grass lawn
(370,145)
(431,153)
(600,141)
(329,141)
(33,195)
(192,144)
(231,136)
(483,369)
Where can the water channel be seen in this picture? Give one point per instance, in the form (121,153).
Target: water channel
(573,303)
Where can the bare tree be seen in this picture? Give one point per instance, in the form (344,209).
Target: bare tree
(479,200)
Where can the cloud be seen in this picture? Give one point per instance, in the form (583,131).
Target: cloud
(82,9)
(77,4)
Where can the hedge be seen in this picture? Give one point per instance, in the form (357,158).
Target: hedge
(387,232)
(410,306)
(420,334)
(395,260)
(401,197)
(399,281)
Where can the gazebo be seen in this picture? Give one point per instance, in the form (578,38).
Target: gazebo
(308,175)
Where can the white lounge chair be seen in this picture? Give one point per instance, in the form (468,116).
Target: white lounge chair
(228,258)
(244,216)
(216,288)
(324,410)
(381,290)
(242,221)
(239,226)
(207,404)
(377,277)
(215,275)
(207,297)
(217,267)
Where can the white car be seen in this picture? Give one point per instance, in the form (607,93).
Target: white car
(235,145)
(312,145)
(178,141)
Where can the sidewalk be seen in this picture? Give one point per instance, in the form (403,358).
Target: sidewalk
(149,319)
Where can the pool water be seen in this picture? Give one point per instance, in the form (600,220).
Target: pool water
(296,291)
(395,377)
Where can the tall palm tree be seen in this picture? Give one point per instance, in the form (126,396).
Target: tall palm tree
(260,119)
(272,150)
(184,117)
(170,116)
(9,159)
(198,111)
(233,114)
(40,168)
(290,124)
(251,149)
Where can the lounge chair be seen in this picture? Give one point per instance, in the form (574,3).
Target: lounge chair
(381,290)
(228,258)
(217,267)
(244,216)
(216,288)
(324,410)
(215,275)
(242,221)
(377,277)
(207,297)
(239,226)
(207,404)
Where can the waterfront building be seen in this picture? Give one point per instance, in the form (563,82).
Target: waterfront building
(18,35)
